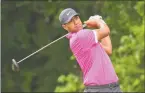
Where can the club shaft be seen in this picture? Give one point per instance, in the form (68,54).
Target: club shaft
(44,47)
(41,48)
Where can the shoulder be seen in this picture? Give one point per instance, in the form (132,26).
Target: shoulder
(83,32)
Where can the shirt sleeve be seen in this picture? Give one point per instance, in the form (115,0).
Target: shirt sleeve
(87,38)
(95,33)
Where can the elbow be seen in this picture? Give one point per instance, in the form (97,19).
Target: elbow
(109,52)
(107,30)
(108,33)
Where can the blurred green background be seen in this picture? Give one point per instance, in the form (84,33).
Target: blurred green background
(29,25)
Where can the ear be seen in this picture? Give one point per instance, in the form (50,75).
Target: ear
(65,27)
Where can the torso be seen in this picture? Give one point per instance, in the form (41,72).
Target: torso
(95,64)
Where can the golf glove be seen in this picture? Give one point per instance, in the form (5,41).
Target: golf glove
(96,17)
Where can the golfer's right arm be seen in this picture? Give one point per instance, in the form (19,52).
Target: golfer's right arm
(103,30)
(103,35)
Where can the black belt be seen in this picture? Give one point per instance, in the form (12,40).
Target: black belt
(115,84)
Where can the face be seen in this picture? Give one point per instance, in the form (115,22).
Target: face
(74,25)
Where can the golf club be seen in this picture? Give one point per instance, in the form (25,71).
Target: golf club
(15,64)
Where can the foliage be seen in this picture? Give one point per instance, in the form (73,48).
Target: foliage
(29,25)
(74,84)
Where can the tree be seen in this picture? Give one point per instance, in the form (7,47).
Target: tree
(29,25)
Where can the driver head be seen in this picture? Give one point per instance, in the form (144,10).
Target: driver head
(15,66)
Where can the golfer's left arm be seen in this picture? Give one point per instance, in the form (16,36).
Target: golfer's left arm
(107,45)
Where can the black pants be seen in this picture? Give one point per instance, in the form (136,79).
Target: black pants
(113,87)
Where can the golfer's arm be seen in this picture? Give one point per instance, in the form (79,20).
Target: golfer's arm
(102,32)
(106,44)
(103,36)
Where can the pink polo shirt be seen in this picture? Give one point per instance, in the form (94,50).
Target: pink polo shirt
(93,60)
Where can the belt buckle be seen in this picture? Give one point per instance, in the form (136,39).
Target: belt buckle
(111,85)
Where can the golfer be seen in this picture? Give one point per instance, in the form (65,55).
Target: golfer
(91,49)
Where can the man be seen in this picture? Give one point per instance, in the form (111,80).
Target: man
(91,54)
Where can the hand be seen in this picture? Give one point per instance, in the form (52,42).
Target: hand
(97,16)
(94,21)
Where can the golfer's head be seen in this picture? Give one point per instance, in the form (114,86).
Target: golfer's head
(70,20)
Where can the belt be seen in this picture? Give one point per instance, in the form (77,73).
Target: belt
(111,85)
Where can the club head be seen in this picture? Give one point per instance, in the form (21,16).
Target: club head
(15,66)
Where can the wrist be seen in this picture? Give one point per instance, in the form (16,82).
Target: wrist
(100,24)
(98,18)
